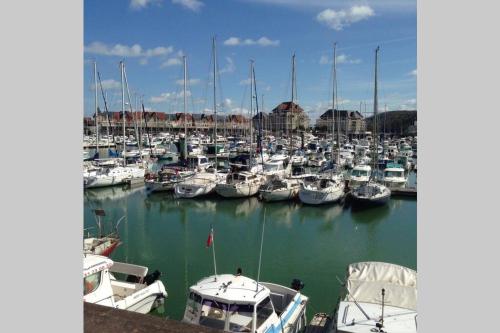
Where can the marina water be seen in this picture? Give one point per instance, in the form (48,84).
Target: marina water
(312,243)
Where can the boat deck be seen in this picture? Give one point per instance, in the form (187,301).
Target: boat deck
(320,323)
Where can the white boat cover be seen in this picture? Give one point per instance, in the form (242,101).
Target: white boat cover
(365,281)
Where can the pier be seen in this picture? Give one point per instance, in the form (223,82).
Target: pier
(103,319)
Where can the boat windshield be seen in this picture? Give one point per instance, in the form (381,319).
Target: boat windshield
(213,314)
(271,167)
(264,311)
(240,319)
(359,173)
(393,174)
(91,282)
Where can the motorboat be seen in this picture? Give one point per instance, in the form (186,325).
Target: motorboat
(394,176)
(316,160)
(360,175)
(278,189)
(202,183)
(240,184)
(323,190)
(138,292)
(167,178)
(112,176)
(371,193)
(235,303)
(378,297)
(273,169)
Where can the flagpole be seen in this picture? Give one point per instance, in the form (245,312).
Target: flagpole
(213,252)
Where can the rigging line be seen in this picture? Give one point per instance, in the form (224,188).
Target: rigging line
(205,93)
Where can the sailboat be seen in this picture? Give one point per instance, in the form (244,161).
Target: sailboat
(379,297)
(114,175)
(372,192)
(102,244)
(204,182)
(330,186)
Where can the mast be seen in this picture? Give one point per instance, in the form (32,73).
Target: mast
(96,112)
(291,106)
(259,135)
(251,110)
(333,94)
(185,100)
(123,112)
(375,108)
(215,104)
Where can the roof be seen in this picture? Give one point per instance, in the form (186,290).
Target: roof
(94,263)
(362,167)
(365,281)
(342,114)
(230,288)
(288,107)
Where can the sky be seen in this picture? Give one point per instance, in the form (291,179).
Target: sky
(151,36)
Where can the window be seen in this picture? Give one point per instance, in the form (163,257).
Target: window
(264,311)
(91,283)
(194,303)
(240,319)
(213,314)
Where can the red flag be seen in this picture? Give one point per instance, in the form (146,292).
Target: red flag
(210,238)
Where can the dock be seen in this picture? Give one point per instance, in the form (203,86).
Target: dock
(404,192)
(103,319)
(320,323)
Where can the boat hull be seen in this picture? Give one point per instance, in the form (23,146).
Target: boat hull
(316,197)
(237,191)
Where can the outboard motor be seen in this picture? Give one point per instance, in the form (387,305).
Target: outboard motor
(297,284)
(150,278)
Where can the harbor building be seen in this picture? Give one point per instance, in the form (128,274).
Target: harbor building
(351,121)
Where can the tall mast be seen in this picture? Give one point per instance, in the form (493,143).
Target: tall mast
(251,111)
(96,111)
(185,100)
(375,109)
(215,102)
(123,112)
(334,86)
(291,106)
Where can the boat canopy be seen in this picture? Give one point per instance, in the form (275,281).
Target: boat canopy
(365,281)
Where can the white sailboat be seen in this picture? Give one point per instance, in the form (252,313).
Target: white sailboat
(372,192)
(240,184)
(379,297)
(329,188)
(117,175)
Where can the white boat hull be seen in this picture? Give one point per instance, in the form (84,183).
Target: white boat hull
(319,197)
(238,190)
(279,195)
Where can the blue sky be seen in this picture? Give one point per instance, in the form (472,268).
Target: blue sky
(152,35)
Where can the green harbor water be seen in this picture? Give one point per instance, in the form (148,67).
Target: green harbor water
(314,244)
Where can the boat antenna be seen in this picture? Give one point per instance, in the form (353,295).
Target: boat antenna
(260,254)
(381,322)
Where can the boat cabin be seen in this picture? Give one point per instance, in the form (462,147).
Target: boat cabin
(361,171)
(235,303)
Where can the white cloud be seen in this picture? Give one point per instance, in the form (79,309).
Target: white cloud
(341,59)
(227,103)
(262,41)
(191,82)
(413,72)
(107,85)
(141,4)
(168,96)
(337,20)
(242,111)
(193,5)
(171,62)
(229,68)
(120,50)
(245,82)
